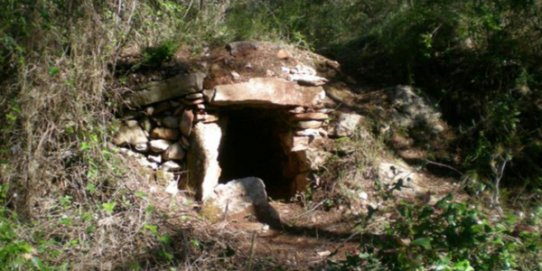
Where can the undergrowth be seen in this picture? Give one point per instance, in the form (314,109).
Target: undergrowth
(449,236)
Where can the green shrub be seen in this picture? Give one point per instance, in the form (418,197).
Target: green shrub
(450,236)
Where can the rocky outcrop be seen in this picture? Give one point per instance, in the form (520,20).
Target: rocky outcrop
(412,110)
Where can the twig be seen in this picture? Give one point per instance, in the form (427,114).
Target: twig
(309,211)
(444,166)
(498,177)
(252,247)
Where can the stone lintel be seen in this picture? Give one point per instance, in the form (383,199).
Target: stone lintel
(266,91)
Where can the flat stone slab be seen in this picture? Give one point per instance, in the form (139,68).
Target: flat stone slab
(266,91)
(176,86)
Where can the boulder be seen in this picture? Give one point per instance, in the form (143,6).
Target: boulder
(238,195)
(345,124)
(266,91)
(245,195)
(411,110)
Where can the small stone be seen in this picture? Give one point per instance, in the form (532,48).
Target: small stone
(149,111)
(269,73)
(142,147)
(187,121)
(164,133)
(170,122)
(310,116)
(172,188)
(200,106)
(308,79)
(131,123)
(297,110)
(174,152)
(309,124)
(194,96)
(283,54)
(308,132)
(324,110)
(300,143)
(146,124)
(363,195)
(155,158)
(324,253)
(171,166)
(235,76)
(146,163)
(159,145)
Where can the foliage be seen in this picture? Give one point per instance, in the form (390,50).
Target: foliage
(480,60)
(450,236)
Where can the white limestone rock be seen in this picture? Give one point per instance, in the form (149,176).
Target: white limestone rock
(345,124)
(130,135)
(159,145)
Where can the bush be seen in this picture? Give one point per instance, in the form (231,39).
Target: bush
(450,236)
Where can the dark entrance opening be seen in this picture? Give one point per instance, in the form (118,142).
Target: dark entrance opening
(252,146)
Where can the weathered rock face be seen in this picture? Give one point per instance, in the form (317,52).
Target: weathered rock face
(411,110)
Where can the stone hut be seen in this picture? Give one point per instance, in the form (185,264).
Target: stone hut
(246,109)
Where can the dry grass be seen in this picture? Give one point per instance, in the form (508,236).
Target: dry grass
(64,181)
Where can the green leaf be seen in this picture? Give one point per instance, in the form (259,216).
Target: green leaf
(422,242)
(108,207)
(53,71)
